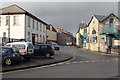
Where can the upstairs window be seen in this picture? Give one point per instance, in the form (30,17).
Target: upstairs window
(37,25)
(111,20)
(85,31)
(7,20)
(28,21)
(15,20)
(0,21)
(94,39)
(40,27)
(33,24)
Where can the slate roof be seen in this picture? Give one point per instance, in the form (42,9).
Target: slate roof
(82,25)
(100,17)
(14,9)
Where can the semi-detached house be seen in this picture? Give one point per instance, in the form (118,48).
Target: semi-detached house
(16,23)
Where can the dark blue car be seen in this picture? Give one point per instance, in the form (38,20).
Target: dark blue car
(9,55)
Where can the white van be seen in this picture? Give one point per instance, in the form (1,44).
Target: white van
(25,48)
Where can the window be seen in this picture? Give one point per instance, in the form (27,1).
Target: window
(93,31)
(94,39)
(51,28)
(0,21)
(33,24)
(28,36)
(102,39)
(44,28)
(16,20)
(4,34)
(37,37)
(40,27)
(111,20)
(85,31)
(43,47)
(40,38)
(7,20)
(43,38)
(37,25)
(28,21)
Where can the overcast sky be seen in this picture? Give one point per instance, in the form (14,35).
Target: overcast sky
(66,15)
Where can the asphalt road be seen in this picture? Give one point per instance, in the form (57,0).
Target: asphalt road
(86,64)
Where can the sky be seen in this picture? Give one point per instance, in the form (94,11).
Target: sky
(66,15)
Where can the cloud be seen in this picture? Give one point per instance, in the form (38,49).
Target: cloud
(67,15)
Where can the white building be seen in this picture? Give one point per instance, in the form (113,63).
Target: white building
(17,23)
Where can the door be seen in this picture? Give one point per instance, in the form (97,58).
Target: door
(84,43)
(33,39)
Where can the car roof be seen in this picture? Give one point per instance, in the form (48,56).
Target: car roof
(20,43)
(41,45)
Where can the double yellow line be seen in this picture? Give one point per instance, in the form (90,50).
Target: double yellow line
(46,66)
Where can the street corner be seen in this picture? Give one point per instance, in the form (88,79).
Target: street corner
(37,61)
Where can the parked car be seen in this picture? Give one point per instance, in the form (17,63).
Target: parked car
(25,48)
(55,46)
(44,50)
(10,55)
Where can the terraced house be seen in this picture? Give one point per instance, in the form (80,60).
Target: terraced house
(16,23)
(101,30)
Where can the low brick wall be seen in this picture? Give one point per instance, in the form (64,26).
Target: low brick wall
(115,50)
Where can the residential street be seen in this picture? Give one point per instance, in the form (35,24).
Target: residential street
(85,64)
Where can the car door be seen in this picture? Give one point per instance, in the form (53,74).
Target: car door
(43,49)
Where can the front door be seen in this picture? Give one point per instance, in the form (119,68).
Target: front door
(33,39)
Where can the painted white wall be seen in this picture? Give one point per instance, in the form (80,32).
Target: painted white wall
(16,31)
(38,32)
(21,30)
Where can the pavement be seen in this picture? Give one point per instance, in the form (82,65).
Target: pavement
(102,53)
(37,61)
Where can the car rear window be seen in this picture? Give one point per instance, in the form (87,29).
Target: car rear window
(36,47)
(44,47)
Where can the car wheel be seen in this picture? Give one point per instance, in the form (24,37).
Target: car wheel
(47,55)
(8,61)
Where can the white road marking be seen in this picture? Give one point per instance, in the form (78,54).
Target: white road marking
(87,61)
(107,60)
(74,62)
(68,63)
(81,61)
(92,61)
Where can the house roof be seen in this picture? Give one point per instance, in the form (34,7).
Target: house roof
(82,25)
(99,17)
(14,9)
(109,16)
